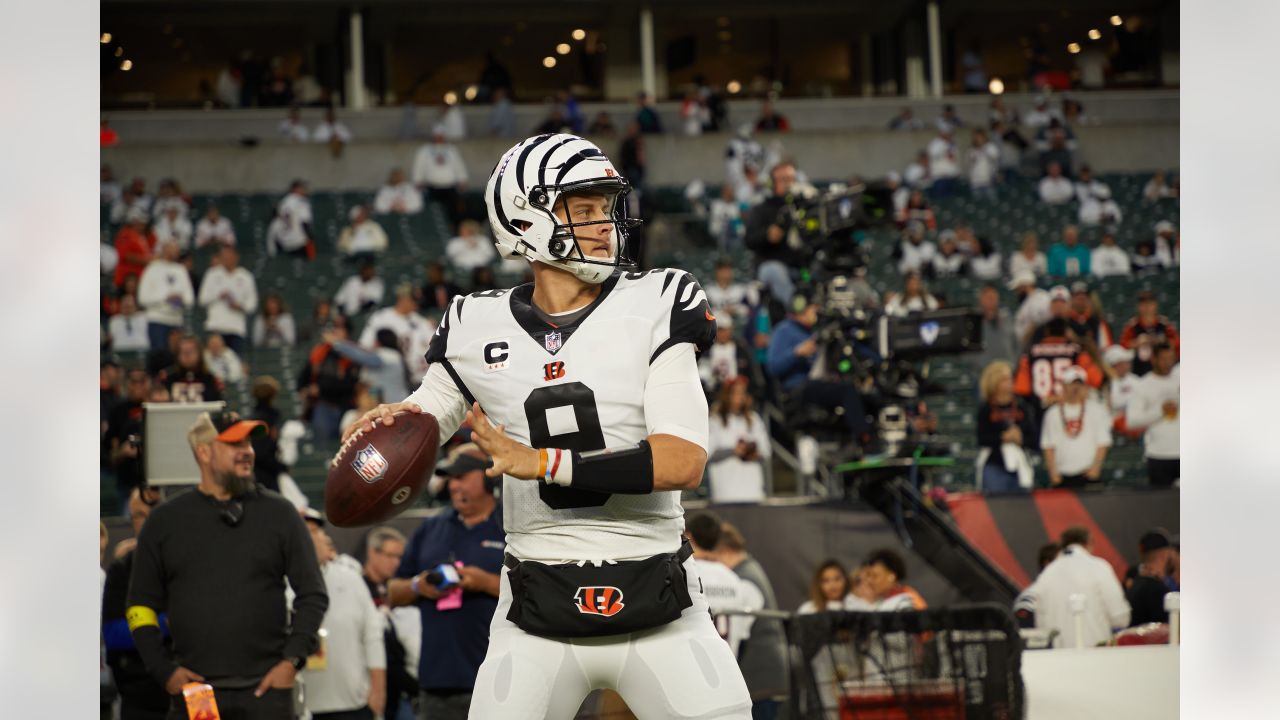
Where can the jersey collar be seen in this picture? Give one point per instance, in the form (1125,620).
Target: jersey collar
(538,329)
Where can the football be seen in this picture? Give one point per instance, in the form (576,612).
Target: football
(379,473)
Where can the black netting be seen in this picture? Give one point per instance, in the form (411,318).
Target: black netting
(962,662)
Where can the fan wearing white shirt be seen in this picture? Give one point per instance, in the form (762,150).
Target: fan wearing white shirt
(1029,259)
(290,231)
(739,447)
(165,293)
(1108,259)
(453,123)
(360,292)
(349,678)
(173,226)
(944,161)
(229,295)
(1155,405)
(1054,188)
(1123,383)
(913,298)
(222,361)
(725,591)
(128,328)
(133,197)
(364,237)
(727,296)
(169,195)
(1033,307)
(984,164)
(1087,185)
(1099,208)
(330,130)
(413,330)
(398,196)
(438,168)
(1075,434)
(291,128)
(1077,572)
(469,249)
(916,176)
(213,228)
(913,252)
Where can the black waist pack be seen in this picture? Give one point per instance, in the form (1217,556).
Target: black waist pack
(588,601)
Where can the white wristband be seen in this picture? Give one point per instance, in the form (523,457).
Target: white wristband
(559,467)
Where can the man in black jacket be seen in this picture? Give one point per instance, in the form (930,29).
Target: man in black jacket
(768,226)
(215,559)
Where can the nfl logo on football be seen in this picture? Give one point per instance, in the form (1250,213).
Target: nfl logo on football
(369,464)
(552,341)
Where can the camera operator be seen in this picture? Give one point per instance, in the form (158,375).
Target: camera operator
(793,349)
(768,227)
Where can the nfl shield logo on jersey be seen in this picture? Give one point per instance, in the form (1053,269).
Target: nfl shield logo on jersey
(606,600)
(552,341)
(369,464)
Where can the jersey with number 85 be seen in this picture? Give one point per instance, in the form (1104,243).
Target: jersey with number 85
(621,372)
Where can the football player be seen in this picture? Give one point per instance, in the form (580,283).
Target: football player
(583,386)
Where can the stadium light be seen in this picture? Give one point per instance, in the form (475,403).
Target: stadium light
(1073,48)
(562,49)
(119,51)
(579,34)
(734,87)
(106,38)
(1095,34)
(1116,20)
(451,98)
(725,36)
(996,86)
(548,62)
(127,65)
(470,92)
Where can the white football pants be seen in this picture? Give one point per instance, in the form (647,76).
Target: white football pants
(683,669)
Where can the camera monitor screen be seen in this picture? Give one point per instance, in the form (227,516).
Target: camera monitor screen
(166,454)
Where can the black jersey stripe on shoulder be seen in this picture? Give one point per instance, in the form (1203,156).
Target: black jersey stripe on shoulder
(524,155)
(666,281)
(457,380)
(461,299)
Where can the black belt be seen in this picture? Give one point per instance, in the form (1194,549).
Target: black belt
(684,553)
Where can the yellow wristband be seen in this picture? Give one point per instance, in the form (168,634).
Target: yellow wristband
(141,616)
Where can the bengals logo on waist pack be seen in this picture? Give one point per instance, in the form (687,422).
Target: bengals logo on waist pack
(597,600)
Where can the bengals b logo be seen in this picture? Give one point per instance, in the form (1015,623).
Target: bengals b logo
(606,600)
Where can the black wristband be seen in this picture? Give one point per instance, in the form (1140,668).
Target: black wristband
(626,471)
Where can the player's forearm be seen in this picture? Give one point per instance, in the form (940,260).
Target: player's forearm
(677,463)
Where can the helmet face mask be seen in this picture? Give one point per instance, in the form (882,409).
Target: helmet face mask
(522,204)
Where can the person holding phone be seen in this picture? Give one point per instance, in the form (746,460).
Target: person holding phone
(450,571)
(739,446)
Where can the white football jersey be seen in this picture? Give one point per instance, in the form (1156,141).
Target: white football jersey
(726,592)
(580,386)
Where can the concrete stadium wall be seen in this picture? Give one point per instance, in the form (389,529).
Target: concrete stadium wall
(673,160)
(383,124)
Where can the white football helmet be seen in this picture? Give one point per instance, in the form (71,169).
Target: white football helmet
(524,188)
